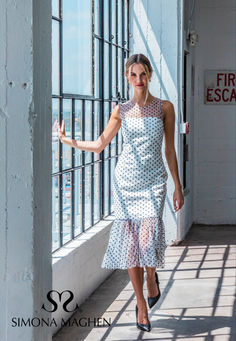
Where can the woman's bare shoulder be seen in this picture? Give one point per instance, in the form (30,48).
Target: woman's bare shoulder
(168,108)
(167,105)
(116,111)
(120,108)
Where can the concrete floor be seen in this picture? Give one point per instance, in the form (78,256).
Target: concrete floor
(197,301)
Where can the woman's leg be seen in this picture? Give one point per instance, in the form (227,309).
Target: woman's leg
(136,275)
(151,282)
(147,227)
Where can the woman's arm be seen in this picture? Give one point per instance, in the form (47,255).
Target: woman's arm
(170,154)
(111,130)
(90,146)
(103,140)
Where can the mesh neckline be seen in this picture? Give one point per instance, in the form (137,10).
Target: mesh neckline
(143,106)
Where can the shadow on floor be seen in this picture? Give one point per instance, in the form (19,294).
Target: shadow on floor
(197,301)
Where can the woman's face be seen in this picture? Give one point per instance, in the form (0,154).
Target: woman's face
(138,77)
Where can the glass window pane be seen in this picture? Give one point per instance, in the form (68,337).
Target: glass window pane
(77,47)
(114,140)
(120,72)
(55,57)
(66,206)
(106,187)
(97,9)
(77,132)
(106,75)
(113,14)
(77,78)
(88,196)
(78,201)
(97,121)
(120,23)
(97,190)
(55,139)
(114,62)
(126,23)
(55,213)
(113,146)
(96,67)
(88,128)
(106,119)
(106,19)
(55,8)
(125,79)
(66,149)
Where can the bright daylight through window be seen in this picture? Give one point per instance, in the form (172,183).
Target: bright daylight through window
(89,49)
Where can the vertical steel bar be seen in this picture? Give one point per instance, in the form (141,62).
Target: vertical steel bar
(101,97)
(92,168)
(73,171)
(60,184)
(128,9)
(82,203)
(110,107)
(123,54)
(116,49)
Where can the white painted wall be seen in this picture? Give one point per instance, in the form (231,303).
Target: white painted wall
(214,125)
(25,165)
(77,267)
(157,29)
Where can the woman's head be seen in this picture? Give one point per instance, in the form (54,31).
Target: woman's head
(138,71)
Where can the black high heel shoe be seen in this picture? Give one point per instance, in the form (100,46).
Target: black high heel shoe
(153,300)
(145,327)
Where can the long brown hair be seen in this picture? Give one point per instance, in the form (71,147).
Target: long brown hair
(138,58)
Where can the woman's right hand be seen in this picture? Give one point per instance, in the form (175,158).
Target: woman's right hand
(61,130)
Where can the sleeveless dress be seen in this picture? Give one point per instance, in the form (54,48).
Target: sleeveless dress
(137,236)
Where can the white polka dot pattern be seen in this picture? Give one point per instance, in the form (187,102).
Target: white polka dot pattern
(137,236)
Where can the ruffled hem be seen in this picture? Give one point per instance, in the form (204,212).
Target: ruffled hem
(136,242)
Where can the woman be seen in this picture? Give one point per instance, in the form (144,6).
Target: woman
(137,236)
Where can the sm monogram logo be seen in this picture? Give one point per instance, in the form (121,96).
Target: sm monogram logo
(54,303)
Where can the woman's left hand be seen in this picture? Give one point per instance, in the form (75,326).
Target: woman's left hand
(178,199)
(61,130)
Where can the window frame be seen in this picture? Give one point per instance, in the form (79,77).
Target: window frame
(105,156)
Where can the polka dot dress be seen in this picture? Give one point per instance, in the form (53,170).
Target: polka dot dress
(137,236)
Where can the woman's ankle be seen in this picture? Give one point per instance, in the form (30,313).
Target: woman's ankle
(141,301)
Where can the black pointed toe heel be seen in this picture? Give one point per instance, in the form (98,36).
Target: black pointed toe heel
(145,327)
(153,300)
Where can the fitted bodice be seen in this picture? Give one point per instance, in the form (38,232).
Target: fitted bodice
(142,131)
